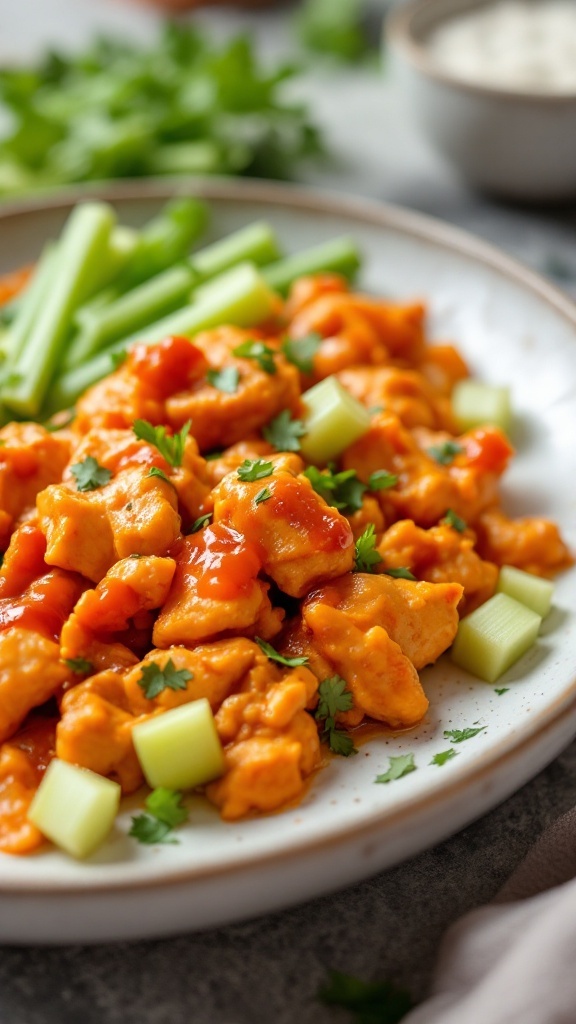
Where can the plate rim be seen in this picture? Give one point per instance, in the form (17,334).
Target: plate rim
(376,214)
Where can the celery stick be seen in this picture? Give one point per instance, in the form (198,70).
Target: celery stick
(494,636)
(240,296)
(533,591)
(165,240)
(181,748)
(74,807)
(82,246)
(334,420)
(129,313)
(256,243)
(475,404)
(339,255)
(30,303)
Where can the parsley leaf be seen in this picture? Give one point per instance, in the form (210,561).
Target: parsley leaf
(459,735)
(155,679)
(89,475)
(343,491)
(444,756)
(269,651)
(166,805)
(79,665)
(225,379)
(334,697)
(261,353)
(397,768)
(381,480)
(255,469)
(283,432)
(399,572)
(365,555)
(301,352)
(263,495)
(446,452)
(149,830)
(500,690)
(451,519)
(155,471)
(371,1002)
(200,522)
(170,447)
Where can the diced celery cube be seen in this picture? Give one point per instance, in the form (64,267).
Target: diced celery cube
(475,404)
(533,591)
(74,807)
(181,748)
(334,420)
(494,636)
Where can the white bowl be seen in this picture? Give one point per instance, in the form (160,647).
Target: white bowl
(520,145)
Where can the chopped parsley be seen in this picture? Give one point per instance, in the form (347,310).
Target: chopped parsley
(381,480)
(334,697)
(79,665)
(400,572)
(200,522)
(365,555)
(446,452)
(271,653)
(155,471)
(171,447)
(301,352)
(165,813)
(453,520)
(255,469)
(370,1002)
(501,689)
(89,475)
(154,679)
(397,768)
(444,756)
(460,735)
(263,495)
(261,353)
(225,380)
(344,490)
(284,433)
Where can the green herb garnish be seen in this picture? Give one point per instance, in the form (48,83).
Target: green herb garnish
(263,495)
(79,665)
(451,519)
(397,768)
(446,452)
(301,352)
(271,653)
(381,480)
(89,475)
(343,491)
(200,522)
(284,433)
(155,471)
(444,756)
(334,697)
(460,735)
(155,679)
(400,572)
(225,380)
(166,812)
(261,353)
(255,469)
(365,555)
(171,447)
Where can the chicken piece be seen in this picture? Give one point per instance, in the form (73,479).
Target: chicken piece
(426,487)
(369,515)
(443,367)
(406,393)
(301,539)
(305,290)
(383,681)
(529,543)
(440,555)
(421,617)
(95,730)
(23,761)
(23,560)
(134,513)
(138,389)
(216,590)
(30,459)
(30,673)
(222,418)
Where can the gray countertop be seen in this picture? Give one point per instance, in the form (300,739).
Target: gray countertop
(388,927)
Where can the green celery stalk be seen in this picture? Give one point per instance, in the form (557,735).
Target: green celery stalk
(82,246)
(30,302)
(256,242)
(131,312)
(339,255)
(164,240)
(240,296)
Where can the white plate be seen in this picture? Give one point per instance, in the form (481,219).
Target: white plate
(513,328)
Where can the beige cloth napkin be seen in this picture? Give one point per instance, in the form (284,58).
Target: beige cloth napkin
(514,961)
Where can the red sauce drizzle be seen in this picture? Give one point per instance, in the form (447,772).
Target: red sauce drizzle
(223,562)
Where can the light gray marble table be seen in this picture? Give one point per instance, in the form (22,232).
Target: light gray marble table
(269,970)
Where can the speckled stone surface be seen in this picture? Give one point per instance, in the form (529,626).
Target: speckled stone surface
(269,970)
